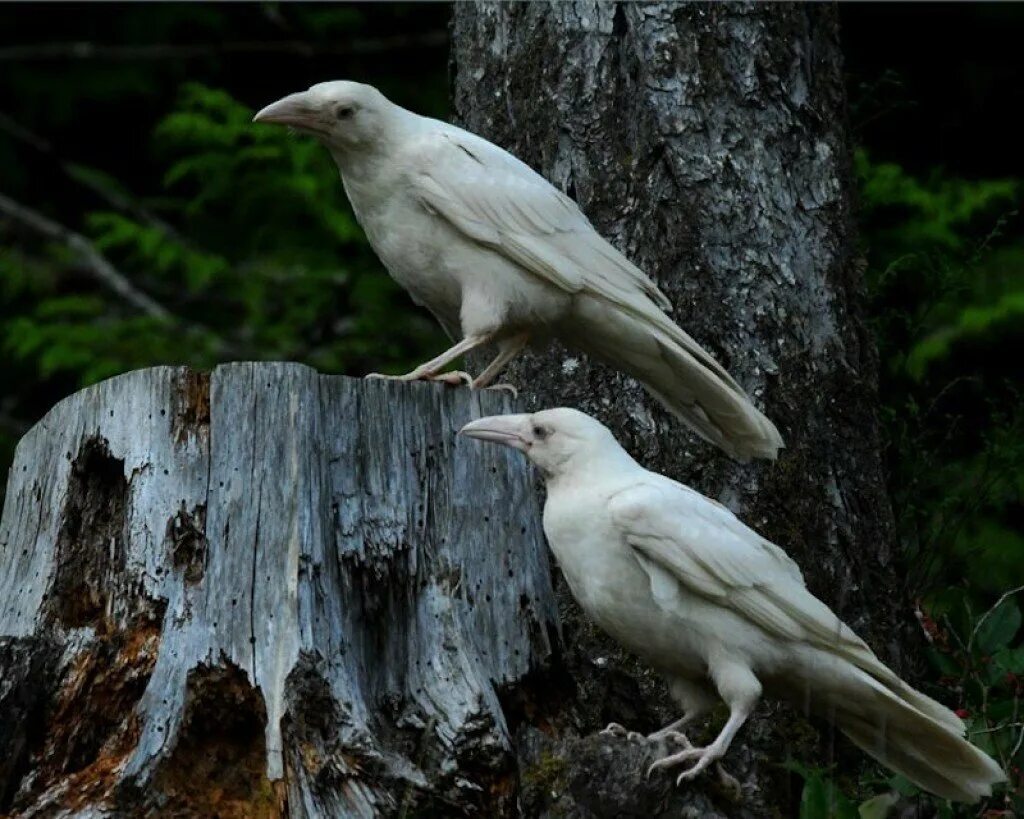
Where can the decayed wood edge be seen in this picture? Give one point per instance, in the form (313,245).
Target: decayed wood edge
(265,552)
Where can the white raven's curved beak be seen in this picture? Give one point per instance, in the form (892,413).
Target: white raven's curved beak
(298,110)
(509,430)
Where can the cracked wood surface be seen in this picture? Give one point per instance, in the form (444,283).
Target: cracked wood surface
(265,592)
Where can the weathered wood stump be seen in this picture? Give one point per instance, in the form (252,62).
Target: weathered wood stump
(263,592)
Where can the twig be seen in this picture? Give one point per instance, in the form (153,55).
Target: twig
(985,616)
(118,201)
(95,262)
(996,728)
(84,50)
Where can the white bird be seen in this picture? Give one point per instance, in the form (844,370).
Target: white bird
(501,256)
(721,612)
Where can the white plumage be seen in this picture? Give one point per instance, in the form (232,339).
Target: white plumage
(501,256)
(719,610)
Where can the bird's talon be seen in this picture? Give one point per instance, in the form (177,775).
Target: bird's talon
(456,378)
(505,388)
(730,783)
(677,737)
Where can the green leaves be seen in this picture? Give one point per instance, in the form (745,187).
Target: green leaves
(253,248)
(821,799)
(998,627)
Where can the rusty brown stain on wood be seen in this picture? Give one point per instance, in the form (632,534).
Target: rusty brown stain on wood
(325,574)
(191,405)
(92,726)
(218,766)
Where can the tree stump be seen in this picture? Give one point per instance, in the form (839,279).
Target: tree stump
(262,592)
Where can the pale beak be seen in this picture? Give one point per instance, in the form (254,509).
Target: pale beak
(297,110)
(508,430)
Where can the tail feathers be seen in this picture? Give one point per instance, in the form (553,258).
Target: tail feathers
(726,415)
(862,657)
(929,752)
(678,373)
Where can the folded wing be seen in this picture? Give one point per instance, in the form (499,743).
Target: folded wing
(679,534)
(494,199)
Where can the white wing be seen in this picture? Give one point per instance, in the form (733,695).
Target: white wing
(677,533)
(493,198)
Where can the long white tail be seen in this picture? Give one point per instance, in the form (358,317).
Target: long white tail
(647,345)
(908,732)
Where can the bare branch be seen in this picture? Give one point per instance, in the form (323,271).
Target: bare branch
(118,201)
(987,614)
(82,50)
(95,262)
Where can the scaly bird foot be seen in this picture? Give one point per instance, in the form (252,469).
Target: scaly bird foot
(730,783)
(507,388)
(670,737)
(703,757)
(613,729)
(453,377)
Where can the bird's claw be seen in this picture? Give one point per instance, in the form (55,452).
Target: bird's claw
(677,737)
(730,783)
(704,757)
(453,377)
(614,729)
(505,388)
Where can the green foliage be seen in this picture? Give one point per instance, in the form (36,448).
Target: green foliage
(274,265)
(946,279)
(978,655)
(240,231)
(821,799)
(946,283)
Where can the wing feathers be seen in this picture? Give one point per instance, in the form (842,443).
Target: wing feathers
(521,209)
(680,531)
(496,200)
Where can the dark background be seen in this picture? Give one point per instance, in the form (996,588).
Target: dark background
(129,125)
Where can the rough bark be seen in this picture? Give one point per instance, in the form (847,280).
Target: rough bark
(266,592)
(707,142)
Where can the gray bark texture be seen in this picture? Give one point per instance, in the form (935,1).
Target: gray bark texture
(708,143)
(266,592)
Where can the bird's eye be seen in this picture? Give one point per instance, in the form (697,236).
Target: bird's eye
(540,433)
(344,112)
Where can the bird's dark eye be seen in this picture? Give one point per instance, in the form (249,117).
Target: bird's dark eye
(540,433)
(344,112)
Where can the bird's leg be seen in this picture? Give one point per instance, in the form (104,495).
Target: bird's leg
(674,730)
(696,700)
(429,370)
(508,349)
(741,690)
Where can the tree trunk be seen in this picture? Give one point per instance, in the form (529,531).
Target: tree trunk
(708,142)
(263,593)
